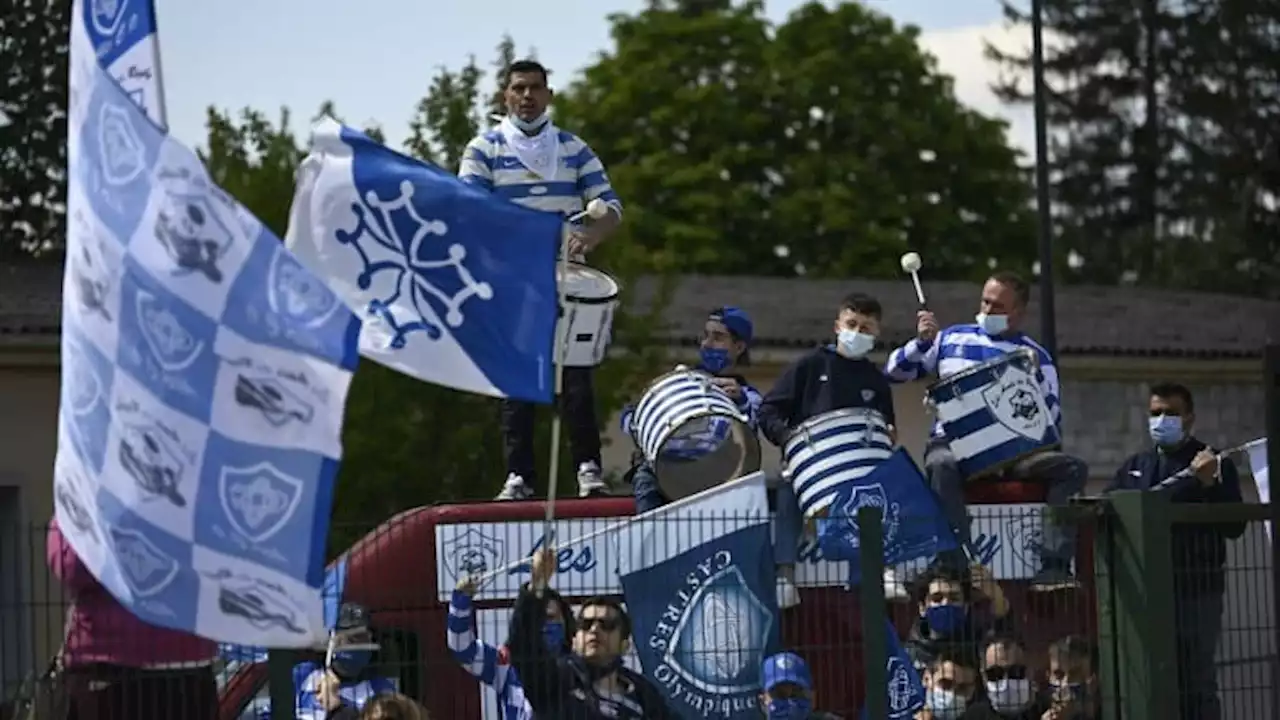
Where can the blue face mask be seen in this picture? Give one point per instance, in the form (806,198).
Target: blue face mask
(553,635)
(946,619)
(789,708)
(714,360)
(350,663)
(993,324)
(1166,430)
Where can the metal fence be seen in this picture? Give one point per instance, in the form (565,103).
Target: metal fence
(1146,602)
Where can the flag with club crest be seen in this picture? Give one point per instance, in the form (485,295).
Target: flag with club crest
(123,35)
(204,380)
(698,580)
(904,689)
(913,524)
(1257,451)
(454,285)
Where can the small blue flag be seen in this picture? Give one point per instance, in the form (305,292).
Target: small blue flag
(906,692)
(913,524)
(454,285)
(698,580)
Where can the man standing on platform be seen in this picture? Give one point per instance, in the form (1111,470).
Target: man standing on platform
(528,160)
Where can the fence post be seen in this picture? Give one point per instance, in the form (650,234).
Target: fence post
(875,648)
(280,684)
(1134,572)
(1271,401)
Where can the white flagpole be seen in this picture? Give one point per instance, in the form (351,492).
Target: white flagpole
(161,107)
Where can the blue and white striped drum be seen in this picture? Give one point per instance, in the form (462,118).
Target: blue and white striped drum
(995,414)
(693,434)
(828,451)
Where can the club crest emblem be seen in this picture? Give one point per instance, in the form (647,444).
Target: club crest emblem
(1016,403)
(107,16)
(901,689)
(1025,539)
(719,642)
(146,568)
(296,294)
(173,347)
(259,501)
(871,496)
(471,552)
(84,388)
(121,151)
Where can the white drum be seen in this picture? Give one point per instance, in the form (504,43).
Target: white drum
(586,320)
(693,434)
(828,451)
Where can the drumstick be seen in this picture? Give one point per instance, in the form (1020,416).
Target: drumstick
(911,264)
(596,209)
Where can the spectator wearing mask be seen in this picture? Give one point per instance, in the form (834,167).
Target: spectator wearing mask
(950,685)
(1199,551)
(340,691)
(589,682)
(491,665)
(393,706)
(117,666)
(725,347)
(1073,692)
(1010,693)
(787,689)
(835,377)
(948,618)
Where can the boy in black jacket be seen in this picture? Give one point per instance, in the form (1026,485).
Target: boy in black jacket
(833,377)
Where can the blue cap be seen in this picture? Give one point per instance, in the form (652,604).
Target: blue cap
(736,320)
(785,667)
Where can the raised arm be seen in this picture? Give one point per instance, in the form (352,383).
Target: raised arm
(545,682)
(593,183)
(1050,386)
(476,656)
(913,361)
(477,163)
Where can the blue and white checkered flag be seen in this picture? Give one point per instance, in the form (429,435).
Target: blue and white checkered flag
(205,375)
(123,34)
(455,285)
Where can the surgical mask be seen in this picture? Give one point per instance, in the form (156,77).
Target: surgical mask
(945,704)
(1072,691)
(529,126)
(789,708)
(855,344)
(714,360)
(993,324)
(1166,430)
(946,619)
(350,663)
(1010,696)
(553,635)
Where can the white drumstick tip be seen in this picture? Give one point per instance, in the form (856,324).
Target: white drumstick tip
(911,262)
(597,209)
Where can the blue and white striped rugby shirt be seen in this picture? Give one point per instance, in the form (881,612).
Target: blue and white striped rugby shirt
(491,164)
(485,661)
(961,347)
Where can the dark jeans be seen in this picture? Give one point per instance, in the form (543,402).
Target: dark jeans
(788,524)
(1199,624)
(578,411)
(110,692)
(1065,475)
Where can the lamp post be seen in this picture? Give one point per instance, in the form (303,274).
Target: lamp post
(1048,317)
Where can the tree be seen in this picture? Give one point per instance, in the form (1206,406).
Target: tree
(33,126)
(447,118)
(826,148)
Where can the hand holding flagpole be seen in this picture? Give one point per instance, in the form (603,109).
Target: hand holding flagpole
(596,209)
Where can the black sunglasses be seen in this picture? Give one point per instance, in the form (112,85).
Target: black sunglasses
(996,673)
(606,624)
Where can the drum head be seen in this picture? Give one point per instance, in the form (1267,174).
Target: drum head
(586,283)
(734,453)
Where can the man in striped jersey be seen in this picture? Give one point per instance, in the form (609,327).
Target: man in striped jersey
(528,160)
(996,331)
(491,665)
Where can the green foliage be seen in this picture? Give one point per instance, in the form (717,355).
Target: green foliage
(827,146)
(1165,143)
(446,118)
(33,126)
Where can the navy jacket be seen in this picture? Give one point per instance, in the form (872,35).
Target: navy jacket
(1199,551)
(820,382)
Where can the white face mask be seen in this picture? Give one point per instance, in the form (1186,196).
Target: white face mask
(529,125)
(944,704)
(1010,696)
(854,344)
(993,324)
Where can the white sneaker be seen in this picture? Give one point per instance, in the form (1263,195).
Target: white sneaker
(590,481)
(515,489)
(788,594)
(894,589)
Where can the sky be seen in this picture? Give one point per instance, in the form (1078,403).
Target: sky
(375,58)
